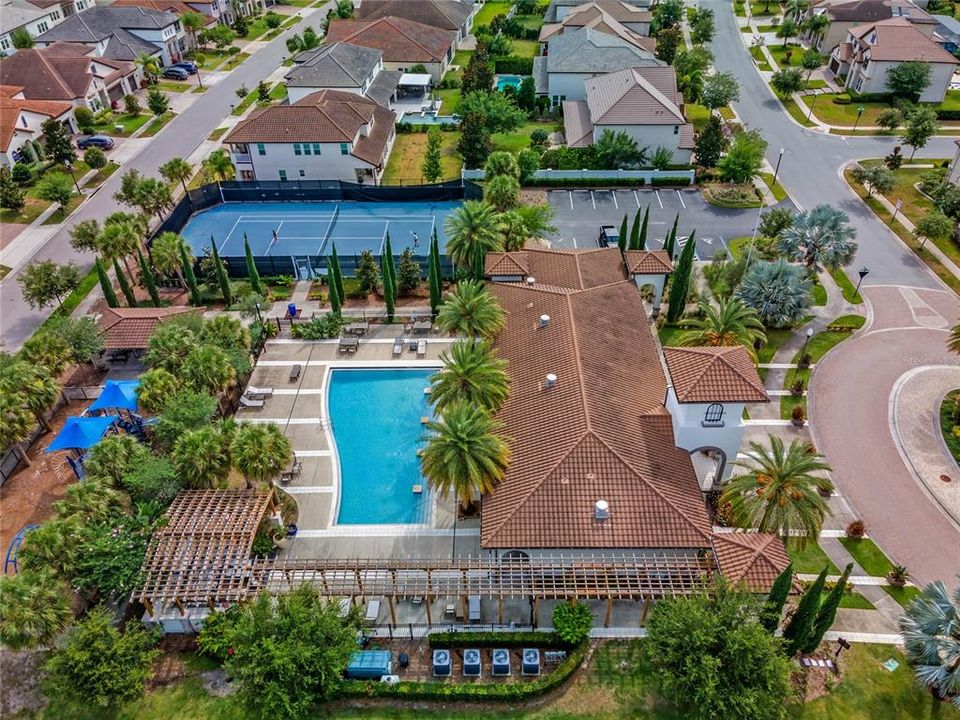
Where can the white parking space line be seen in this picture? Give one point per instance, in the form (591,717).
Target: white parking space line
(637,198)
(657,193)
(574,242)
(615,203)
(593,200)
(681,200)
(571,198)
(726,249)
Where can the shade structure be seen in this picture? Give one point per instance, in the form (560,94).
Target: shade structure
(117,394)
(80,433)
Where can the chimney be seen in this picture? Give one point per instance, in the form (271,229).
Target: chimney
(550,381)
(601,510)
(544,320)
(531,281)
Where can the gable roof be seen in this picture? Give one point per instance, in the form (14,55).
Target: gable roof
(61,71)
(714,374)
(399,39)
(551,14)
(10,108)
(443,14)
(178,7)
(130,328)
(897,40)
(337,65)
(635,96)
(601,432)
(506,263)
(859,11)
(648,262)
(587,50)
(755,559)
(99,23)
(619,11)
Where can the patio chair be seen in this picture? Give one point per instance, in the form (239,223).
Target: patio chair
(248,403)
(373,611)
(259,393)
(398,347)
(295,373)
(421,348)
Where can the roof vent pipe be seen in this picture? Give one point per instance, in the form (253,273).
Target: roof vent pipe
(531,281)
(601,510)
(544,320)
(550,381)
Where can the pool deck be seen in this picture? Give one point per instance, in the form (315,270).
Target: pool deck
(299,409)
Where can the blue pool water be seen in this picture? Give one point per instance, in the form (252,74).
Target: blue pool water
(376,425)
(509,81)
(429,119)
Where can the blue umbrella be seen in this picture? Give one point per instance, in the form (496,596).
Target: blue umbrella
(80,433)
(117,394)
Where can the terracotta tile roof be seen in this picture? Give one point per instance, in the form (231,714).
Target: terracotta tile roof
(179,7)
(444,14)
(62,71)
(648,262)
(620,11)
(897,40)
(577,128)
(10,112)
(601,433)
(567,268)
(399,39)
(598,19)
(130,328)
(755,559)
(504,263)
(327,116)
(714,374)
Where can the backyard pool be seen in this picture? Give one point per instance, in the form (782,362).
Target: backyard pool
(426,118)
(375,415)
(509,81)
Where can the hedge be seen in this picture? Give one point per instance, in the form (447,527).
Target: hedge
(513,65)
(482,692)
(492,639)
(664,180)
(948,114)
(606,183)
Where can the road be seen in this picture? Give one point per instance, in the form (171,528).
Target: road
(180,138)
(851,389)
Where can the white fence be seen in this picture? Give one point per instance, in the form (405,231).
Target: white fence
(648,176)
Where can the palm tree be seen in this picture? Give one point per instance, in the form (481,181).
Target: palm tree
(92,500)
(779,291)
(169,346)
(821,237)
(165,254)
(193,22)
(815,26)
(260,452)
(472,373)
(16,423)
(177,169)
(780,492)
(471,228)
(157,386)
(472,311)
(39,389)
(117,241)
(218,163)
(731,323)
(201,457)
(931,636)
(465,453)
(46,349)
(207,368)
(953,343)
(148,63)
(786,30)
(35,607)
(114,457)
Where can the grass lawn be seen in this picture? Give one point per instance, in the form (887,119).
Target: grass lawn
(816,84)
(157,124)
(407,156)
(31,210)
(849,290)
(819,295)
(946,423)
(129,123)
(810,558)
(698,115)
(525,48)
(449,99)
(855,601)
(868,556)
(460,58)
(241,107)
(217,134)
(234,61)
(519,138)
(102,174)
(488,11)
(211,58)
(760,58)
(530,22)
(58,217)
(797,113)
(764,8)
(197,90)
(779,192)
(834,114)
(257,28)
(278,92)
(779,53)
(670,334)
(904,595)
(174,87)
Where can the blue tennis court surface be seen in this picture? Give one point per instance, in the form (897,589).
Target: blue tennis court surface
(282,229)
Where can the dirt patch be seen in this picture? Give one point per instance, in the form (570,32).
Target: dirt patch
(20,675)
(9,231)
(533,196)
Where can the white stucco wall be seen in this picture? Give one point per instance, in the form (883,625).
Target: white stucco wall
(651,137)
(331,164)
(875,79)
(436,70)
(295,94)
(27,127)
(691,434)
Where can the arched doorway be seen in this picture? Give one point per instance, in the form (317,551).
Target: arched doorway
(710,464)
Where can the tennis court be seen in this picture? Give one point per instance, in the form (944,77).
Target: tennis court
(279,229)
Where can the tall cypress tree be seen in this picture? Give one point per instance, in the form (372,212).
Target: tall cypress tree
(335,304)
(635,232)
(642,242)
(252,273)
(389,272)
(777,598)
(479,259)
(337,275)
(105,285)
(671,241)
(189,276)
(827,612)
(680,280)
(622,237)
(149,281)
(800,627)
(434,268)
(124,285)
(391,266)
(222,279)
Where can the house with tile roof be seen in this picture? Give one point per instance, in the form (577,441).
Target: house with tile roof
(34,17)
(454,15)
(844,15)
(70,72)
(403,43)
(576,56)
(871,51)
(130,328)
(329,135)
(345,67)
(610,16)
(123,33)
(557,10)
(211,9)
(643,102)
(20,121)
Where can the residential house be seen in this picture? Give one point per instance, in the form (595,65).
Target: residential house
(557,10)
(212,9)
(947,33)
(123,33)
(598,460)
(444,14)
(844,15)
(871,51)
(329,135)
(35,17)
(70,72)
(642,102)
(20,121)
(610,16)
(345,67)
(403,43)
(954,175)
(578,55)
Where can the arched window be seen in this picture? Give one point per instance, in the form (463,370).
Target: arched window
(714,414)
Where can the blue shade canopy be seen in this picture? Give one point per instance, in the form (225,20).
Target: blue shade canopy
(80,433)
(117,394)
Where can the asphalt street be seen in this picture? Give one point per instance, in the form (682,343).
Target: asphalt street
(180,138)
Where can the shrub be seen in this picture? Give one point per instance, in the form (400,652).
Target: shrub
(84,118)
(572,622)
(328,326)
(95,158)
(513,65)
(21,174)
(491,639)
(799,415)
(842,99)
(667,180)
(856,530)
(131,105)
(539,137)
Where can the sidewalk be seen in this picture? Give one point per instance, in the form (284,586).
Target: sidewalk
(928,245)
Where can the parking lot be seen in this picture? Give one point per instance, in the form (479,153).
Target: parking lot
(580,213)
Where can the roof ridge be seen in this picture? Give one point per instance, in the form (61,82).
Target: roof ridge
(703,370)
(56,73)
(576,354)
(408,37)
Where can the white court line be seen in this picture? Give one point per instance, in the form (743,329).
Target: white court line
(615,203)
(637,198)
(307,489)
(316,216)
(657,193)
(574,242)
(681,200)
(593,199)
(310,391)
(287,421)
(724,243)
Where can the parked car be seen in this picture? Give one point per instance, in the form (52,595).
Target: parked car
(609,236)
(175,73)
(188,65)
(100,141)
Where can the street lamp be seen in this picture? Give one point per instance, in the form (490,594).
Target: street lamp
(812,103)
(803,350)
(259,316)
(69,166)
(862,272)
(860,110)
(776,170)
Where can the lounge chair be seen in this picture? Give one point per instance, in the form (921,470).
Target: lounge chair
(398,347)
(255,392)
(421,348)
(295,373)
(248,403)
(373,611)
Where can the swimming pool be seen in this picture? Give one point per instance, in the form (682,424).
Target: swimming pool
(509,81)
(415,118)
(375,416)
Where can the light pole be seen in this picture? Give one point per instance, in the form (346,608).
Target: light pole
(896,209)
(259,316)
(776,170)
(69,166)
(812,103)
(856,122)
(862,272)
(803,350)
